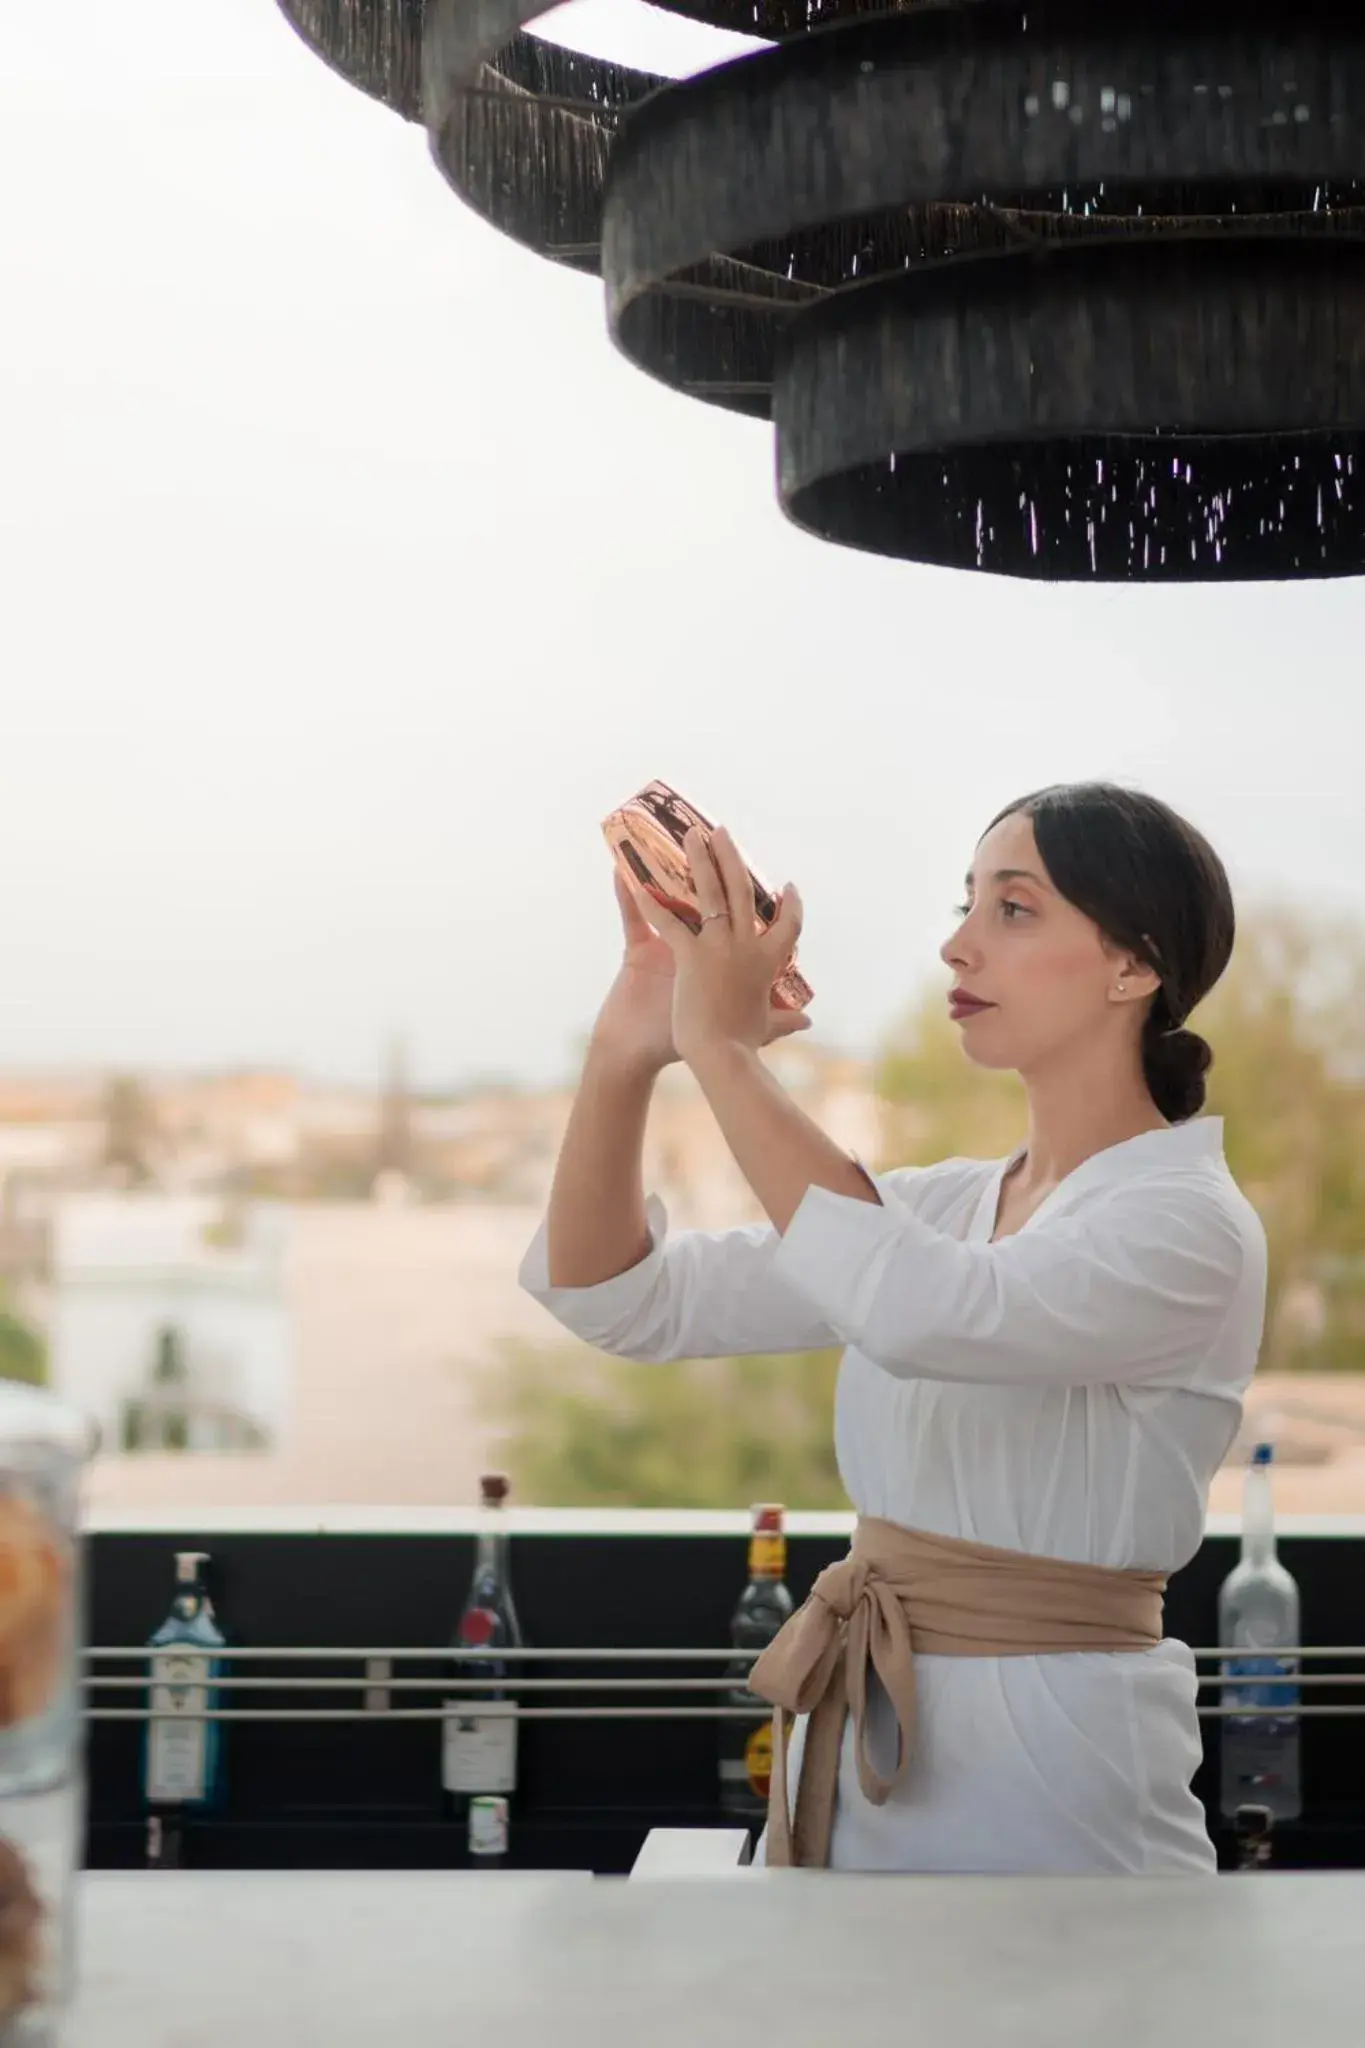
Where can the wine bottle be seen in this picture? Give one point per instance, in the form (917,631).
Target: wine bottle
(479,1754)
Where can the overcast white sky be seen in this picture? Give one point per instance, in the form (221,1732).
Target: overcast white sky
(347,576)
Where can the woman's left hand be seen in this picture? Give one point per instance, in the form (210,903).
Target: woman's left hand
(724,973)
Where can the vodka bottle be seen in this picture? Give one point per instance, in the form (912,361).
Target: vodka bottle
(746,1747)
(1258,1620)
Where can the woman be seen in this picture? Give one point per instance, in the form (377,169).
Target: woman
(1045,1355)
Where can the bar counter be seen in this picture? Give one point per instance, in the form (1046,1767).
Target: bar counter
(216,1959)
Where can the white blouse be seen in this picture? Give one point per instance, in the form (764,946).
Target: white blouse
(1069,1391)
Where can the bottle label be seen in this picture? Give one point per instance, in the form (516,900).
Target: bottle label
(1248,1693)
(477,1627)
(758,1760)
(479,1747)
(177,1751)
(767,1557)
(488,1828)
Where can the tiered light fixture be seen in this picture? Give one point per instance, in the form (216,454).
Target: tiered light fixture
(1052,288)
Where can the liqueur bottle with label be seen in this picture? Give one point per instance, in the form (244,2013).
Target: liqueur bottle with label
(183,1757)
(479,1751)
(746,1747)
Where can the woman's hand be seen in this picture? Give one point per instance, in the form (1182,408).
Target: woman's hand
(723,974)
(634,1027)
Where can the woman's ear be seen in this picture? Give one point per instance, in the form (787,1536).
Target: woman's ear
(1135,981)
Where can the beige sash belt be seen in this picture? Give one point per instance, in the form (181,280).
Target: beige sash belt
(900,1592)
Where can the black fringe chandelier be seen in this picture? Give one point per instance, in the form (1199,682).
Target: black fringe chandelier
(1064,289)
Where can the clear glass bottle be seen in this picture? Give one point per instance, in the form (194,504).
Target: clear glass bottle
(479,1756)
(1258,1620)
(746,1747)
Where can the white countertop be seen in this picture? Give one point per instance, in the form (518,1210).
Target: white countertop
(803,1960)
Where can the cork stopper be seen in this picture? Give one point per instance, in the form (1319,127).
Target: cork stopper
(494,1488)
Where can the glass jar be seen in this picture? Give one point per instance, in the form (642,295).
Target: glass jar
(44,1446)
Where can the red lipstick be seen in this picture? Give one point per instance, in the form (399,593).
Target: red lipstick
(961,1005)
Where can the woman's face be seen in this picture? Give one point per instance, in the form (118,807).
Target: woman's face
(1033,976)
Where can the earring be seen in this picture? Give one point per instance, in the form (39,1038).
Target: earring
(1122,986)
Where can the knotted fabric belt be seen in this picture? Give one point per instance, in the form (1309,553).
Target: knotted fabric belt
(899,1593)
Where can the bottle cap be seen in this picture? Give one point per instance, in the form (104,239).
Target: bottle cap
(1264,1454)
(494,1488)
(769,1517)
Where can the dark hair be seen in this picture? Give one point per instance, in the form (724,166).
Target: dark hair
(1155,887)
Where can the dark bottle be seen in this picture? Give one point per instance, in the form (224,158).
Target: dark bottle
(746,1747)
(479,1755)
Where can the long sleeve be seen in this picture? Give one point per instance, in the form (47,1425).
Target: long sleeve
(697,1294)
(1133,1287)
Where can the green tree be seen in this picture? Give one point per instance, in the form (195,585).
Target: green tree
(23,1353)
(580,1430)
(1287,1025)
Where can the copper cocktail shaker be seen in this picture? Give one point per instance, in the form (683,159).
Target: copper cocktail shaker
(646,839)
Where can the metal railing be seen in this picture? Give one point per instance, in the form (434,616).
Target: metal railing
(375,1680)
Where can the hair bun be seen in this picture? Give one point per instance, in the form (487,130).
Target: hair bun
(1175,1063)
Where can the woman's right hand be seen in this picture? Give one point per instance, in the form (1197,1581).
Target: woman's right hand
(634,1026)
